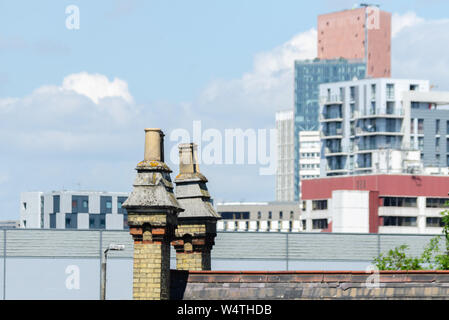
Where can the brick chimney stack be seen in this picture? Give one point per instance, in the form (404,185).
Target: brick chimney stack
(152,218)
(197,224)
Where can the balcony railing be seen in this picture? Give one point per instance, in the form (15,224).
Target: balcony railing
(331,99)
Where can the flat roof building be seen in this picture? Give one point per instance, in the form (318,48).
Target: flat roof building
(73,210)
(259,216)
(382,203)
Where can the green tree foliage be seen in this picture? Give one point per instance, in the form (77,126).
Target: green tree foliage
(432,258)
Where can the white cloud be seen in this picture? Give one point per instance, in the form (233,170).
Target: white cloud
(252,99)
(96,86)
(404,21)
(419,50)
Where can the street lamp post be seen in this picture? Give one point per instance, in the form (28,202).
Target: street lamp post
(112,247)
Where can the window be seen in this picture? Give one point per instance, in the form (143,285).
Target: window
(56,201)
(235,215)
(414,87)
(437,126)
(281,215)
(399,202)
(319,224)
(120,202)
(399,221)
(52,221)
(270,215)
(304,224)
(304,206)
(74,204)
(105,204)
(390,91)
(97,221)
(420,126)
(373,92)
(434,222)
(259,215)
(25,205)
(71,221)
(319,205)
(291,215)
(437,202)
(437,145)
(85,204)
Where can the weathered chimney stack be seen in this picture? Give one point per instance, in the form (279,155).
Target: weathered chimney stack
(197,224)
(152,218)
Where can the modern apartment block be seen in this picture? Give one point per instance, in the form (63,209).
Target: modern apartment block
(386,203)
(308,76)
(259,216)
(285,158)
(351,44)
(382,126)
(73,210)
(361,33)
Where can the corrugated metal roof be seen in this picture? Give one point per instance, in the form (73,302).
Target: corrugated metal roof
(2,242)
(416,243)
(332,246)
(51,243)
(228,245)
(250,245)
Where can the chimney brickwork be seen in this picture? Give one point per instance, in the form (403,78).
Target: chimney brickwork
(196,232)
(152,218)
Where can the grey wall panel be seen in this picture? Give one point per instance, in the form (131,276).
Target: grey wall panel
(416,243)
(332,246)
(52,278)
(2,242)
(52,243)
(250,245)
(2,287)
(119,283)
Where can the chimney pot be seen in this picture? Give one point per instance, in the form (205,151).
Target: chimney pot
(154,145)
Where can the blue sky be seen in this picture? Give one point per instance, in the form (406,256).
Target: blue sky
(226,63)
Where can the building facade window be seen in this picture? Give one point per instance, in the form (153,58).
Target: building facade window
(319,224)
(319,205)
(437,202)
(56,204)
(420,126)
(71,221)
(399,202)
(399,221)
(97,221)
(235,215)
(52,221)
(434,222)
(390,91)
(105,204)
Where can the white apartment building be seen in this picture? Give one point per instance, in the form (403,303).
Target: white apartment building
(73,210)
(361,118)
(309,154)
(285,156)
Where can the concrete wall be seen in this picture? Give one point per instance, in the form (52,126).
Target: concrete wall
(344,285)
